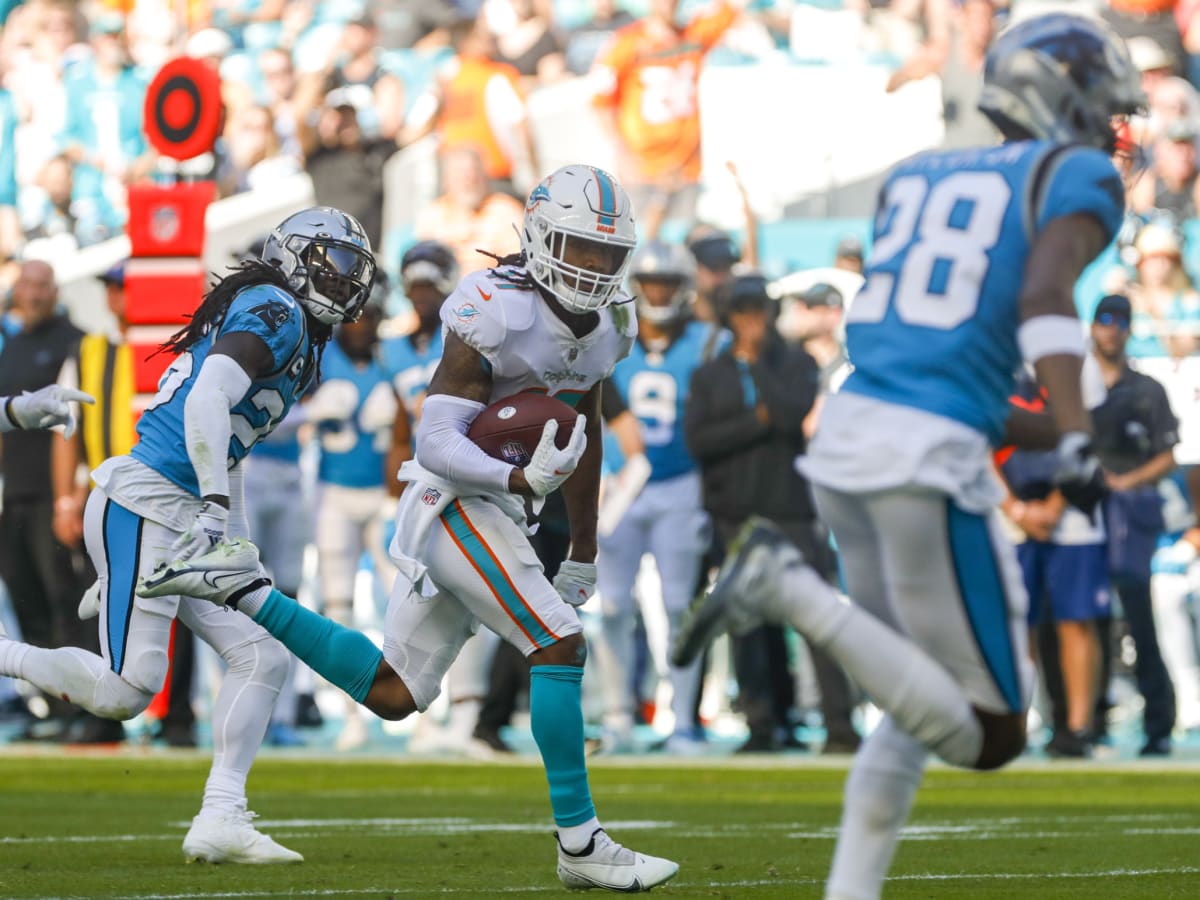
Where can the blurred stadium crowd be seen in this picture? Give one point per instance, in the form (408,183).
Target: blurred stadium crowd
(338,89)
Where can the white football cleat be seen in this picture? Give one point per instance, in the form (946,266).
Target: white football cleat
(222,576)
(606,864)
(231,838)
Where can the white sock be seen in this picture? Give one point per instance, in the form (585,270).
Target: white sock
(900,677)
(253,601)
(224,791)
(879,794)
(575,838)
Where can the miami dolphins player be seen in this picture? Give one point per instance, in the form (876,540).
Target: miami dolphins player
(667,519)
(551,319)
(975,258)
(251,348)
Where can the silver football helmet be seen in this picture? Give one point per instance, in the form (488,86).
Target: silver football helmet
(1060,77)
(578,235)
(326,257)
(659,261)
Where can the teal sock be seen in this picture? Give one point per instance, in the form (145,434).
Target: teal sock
(556,715)
(342,656)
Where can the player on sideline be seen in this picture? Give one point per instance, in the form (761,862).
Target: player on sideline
(549,320)
(46,407)
(975,259)
(252,347)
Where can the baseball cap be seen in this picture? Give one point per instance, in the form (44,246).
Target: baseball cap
(821,294)
(715,250)
(1180,130)
(744,292)
(115,274)
(850,245)
(1147,54)
(1113,306)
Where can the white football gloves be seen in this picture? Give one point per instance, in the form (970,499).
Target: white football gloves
(575,582)
(206,532)
(1078,474)
(46,408)
(550,467)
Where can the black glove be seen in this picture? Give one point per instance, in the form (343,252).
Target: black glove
(1078,474)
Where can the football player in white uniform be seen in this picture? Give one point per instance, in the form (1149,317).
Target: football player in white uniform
(551,320)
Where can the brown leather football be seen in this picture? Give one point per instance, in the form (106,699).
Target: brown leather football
(511,427)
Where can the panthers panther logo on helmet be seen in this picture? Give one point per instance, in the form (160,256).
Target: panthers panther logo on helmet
(326,257)
(1060,77)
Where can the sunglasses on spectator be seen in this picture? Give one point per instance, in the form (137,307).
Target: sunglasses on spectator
(1107,318)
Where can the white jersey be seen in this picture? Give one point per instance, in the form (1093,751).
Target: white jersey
(528,347)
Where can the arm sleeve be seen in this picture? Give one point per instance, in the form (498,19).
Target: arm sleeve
(444,449)
(239,525)
(220,385)
(612,404)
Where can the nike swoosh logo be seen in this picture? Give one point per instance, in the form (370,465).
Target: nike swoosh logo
(485,297)
(560,472)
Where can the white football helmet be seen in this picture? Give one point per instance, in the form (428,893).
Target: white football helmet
(659,261)
(326,257)
(578,235)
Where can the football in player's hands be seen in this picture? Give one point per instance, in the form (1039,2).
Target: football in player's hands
(510,428)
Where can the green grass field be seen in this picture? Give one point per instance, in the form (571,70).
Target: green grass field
(111,826)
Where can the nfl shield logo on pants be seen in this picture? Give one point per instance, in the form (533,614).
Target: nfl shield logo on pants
(431,496)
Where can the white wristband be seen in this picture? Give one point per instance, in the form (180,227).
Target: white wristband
(1050,335)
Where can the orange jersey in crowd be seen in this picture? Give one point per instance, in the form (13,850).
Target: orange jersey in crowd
(651,80)
(467,116)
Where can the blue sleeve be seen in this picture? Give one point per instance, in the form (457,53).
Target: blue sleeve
(270,314)
(1080,180)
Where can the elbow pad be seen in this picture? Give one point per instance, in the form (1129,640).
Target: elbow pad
(220,385)
(444,449)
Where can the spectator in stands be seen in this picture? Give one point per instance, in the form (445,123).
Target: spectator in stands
(815,322)
(468,215)
(476,102)
(10,229)
(1169,187)
(354,68)
(45,578)
(1151,19)
(279,92)
(103,367)
(743,422)
(716,253)
(961,74)
(849,254)
(46,212)
(1166,318)
(346,167)
(528,40)
(586,40)
(1135,432)
(646,81)
(102,134)
(902,28)
(253,158)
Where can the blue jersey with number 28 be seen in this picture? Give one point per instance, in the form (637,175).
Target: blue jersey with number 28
(935,324)
(267,312)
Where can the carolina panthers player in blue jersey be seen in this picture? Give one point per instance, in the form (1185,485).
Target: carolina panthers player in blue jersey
(976,254)
(354,410)
(428,273)
(252,347)
(667,519)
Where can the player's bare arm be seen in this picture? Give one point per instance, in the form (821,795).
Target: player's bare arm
(1060,254)
(581,492)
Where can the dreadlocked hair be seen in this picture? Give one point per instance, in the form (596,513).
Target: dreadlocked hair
(211,311)
(511,262)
